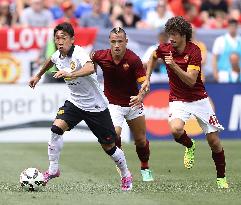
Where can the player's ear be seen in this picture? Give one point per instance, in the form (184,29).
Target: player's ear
(126,40)
(72,40)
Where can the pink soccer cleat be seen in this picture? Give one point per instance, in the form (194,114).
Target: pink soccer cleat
(48,176)
(126,183)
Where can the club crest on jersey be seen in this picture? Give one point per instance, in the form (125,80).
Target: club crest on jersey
(60,112)
(72,65)
(186,57)
(126,66)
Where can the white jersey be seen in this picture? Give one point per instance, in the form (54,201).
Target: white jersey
(85,92)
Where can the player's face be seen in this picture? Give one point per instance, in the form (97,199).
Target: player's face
(118,43)
(63,42)
(176,39)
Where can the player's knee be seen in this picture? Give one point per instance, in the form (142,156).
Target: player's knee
(57,130)
(214,143)
(141,142)
(176,130)
(176,127)
(213,140)
(109,148)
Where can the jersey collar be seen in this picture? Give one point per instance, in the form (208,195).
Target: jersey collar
(70,52)
(185,51)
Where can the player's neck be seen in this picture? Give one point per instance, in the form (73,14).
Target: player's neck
(181,48)
(117,58)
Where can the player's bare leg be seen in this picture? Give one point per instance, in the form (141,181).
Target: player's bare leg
(218,158)
(55,146)
(180,136)
(118,137)
(117,155)
(138,129)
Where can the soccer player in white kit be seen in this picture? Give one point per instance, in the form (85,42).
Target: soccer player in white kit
(122,72)
(86,102)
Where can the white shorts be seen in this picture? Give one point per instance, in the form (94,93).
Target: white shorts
(201,109)
(119,114)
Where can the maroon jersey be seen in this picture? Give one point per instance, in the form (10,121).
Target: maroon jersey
(120,80)
(190,58)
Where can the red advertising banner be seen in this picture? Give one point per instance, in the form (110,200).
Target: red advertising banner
(21,47)
(19,39)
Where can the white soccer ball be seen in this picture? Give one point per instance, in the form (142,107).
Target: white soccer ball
(31,179)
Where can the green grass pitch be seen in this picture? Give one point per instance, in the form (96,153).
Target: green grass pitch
(89,177)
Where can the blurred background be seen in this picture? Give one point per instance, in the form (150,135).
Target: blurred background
(26,36)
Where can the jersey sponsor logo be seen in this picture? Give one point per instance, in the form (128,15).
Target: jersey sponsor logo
(69,79)
(126,66)
(10,68)
(157,114)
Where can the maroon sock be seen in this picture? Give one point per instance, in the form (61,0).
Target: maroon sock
(219,160)
(118,142)
(144,154)
(184,140)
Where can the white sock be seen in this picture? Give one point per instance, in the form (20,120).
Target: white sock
(55,145)
(120,161)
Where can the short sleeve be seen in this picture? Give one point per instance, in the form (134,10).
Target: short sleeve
(140,71)
(195,60)
(54,57)
(82,57)
(95,56)
(159,51)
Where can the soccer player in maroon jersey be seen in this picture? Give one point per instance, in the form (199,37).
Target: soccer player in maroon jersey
(187,93)
(122,71)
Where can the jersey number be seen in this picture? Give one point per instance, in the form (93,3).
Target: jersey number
(213,120)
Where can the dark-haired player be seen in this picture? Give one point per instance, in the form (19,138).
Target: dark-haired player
(87,102)
(122,71)
(187,93)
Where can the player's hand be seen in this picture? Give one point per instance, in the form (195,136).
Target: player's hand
(145,87)
(136,101)
(33,81)
(169,60)
(62,74)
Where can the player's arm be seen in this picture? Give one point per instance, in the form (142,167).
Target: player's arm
(138,99)
(189,77)
(151,64)
(140,73)
(35,79)
(86,70)
(92,57)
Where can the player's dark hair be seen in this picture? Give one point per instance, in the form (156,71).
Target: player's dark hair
(180,25)
(66,27)
(118,30)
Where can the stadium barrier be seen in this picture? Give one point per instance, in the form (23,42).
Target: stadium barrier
(26,115)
